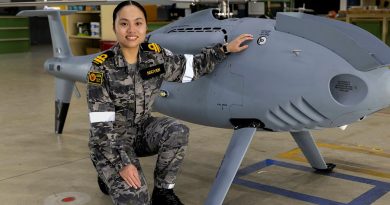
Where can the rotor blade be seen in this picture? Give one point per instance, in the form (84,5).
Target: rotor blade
(71,2)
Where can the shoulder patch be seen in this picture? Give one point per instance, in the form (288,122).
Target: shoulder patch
(102,57)
(151,72)
(95,78)
(151,47)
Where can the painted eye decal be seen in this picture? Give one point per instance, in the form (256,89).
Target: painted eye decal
(261,40)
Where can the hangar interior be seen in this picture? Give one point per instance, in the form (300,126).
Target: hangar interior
(38,166)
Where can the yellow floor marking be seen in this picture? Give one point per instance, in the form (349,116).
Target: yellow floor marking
(294,154)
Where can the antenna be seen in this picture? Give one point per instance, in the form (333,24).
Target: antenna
(225,9)
(228,9)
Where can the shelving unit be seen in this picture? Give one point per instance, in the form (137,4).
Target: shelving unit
(80,44)
(375,22)
(84,37)
(271,7)
(14,34)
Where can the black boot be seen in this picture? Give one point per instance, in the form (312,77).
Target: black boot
(165,197)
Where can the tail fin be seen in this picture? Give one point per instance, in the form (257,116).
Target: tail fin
(61,48)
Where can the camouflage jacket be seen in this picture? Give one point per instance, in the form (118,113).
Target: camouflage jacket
(120,99)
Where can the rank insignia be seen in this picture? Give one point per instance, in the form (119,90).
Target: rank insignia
(102,57)
(151,47)
(95,78)
(151,72)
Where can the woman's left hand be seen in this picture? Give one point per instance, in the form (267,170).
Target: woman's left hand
(235,45)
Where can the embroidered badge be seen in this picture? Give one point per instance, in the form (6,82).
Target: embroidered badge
(102,57)
(151,72)
(151,47)
(95,78)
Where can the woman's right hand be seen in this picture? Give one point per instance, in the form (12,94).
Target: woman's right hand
(234,46)
(129,173)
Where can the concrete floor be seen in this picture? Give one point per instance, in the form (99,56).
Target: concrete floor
(37,165)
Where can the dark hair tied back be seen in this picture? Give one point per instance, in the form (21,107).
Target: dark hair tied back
(127,3)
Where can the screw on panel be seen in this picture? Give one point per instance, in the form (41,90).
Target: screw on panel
(164,93)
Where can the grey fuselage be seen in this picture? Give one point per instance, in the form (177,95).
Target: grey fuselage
(288,81)
(73,68)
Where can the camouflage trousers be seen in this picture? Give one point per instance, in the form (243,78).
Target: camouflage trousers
(163,136)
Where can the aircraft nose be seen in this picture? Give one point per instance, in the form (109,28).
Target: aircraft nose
(387,84)
(381,88)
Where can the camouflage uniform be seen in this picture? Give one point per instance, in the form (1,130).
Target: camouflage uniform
(120,97)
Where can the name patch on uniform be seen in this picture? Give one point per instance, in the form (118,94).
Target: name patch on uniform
(151,47)
(102,57)
(151,72)
(95,78)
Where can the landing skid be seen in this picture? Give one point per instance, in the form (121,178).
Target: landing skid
(234,154)
(306,143)
(327,170)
